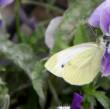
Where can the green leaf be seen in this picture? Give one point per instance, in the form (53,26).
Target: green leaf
(38,76)
(102,98)
(21,54)
(81,34)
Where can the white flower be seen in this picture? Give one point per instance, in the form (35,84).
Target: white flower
(50,31)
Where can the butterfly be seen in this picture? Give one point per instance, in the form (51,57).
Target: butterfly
(77,65)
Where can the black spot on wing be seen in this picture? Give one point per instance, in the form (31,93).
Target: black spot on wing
(62,65)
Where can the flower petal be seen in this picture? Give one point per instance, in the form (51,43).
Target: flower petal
(108,1)
(77,100)
(94,19)
(5,2)
(50,31)
(105,20)
(105,63)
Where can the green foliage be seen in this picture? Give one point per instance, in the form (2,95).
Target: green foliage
(92,95)
(72,18)
(20,54)
(81,35)
(37,81)
(102,98)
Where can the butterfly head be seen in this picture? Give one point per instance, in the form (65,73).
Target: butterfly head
(106,40)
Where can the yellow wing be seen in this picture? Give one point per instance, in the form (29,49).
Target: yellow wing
(78,65)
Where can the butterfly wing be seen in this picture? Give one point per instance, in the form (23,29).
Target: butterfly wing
(83,67)
(50,65)
(55,62)
(78,65)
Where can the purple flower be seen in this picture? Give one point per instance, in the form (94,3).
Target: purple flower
(101,17)
(77,100)
(105,64)
(5,2)
(25,20)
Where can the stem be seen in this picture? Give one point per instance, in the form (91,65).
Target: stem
(52,89)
